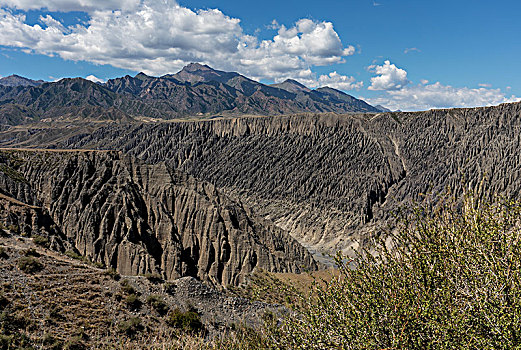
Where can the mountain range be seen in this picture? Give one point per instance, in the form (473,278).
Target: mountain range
(197,91)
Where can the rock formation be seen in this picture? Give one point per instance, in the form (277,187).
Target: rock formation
(330,180)
(143,218)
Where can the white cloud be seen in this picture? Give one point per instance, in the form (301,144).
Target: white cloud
(437,95)
(397,94)
(389,77)
(71,5)
(160,37)
(340,82)
(411,49)
(94,79)
(485,85)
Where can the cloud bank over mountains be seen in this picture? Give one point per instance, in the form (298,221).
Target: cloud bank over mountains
(399,93)
(161,36)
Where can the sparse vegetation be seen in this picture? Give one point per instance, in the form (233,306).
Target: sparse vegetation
(12,325)
(54,314)
(112,273)
(153,277)
(188,321)
(451,281)
(29,264)
(14,228)
(75,343)
(12,173)
(73,255)
(169,288)
(31,252)
(98,265)
(50,342)
(41,241)
(127,288)
(157,303)
(132,301)
(3,253)
(131,327)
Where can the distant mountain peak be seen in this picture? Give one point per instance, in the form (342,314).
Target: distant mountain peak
(16,80)
(382,108)
(291,81)
(291,86)
(196,73)
(141,76)
(193,67)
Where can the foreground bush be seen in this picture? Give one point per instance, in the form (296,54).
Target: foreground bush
(452,281)
(29,264)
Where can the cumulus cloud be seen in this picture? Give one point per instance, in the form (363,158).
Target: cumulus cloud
(389,77)
(71,5)
(340,82)
(94,79)
(159,37)
(399,94)
(424,97)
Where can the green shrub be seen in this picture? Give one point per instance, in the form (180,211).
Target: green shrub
(73,255)
(41,241)
(188,321)
(51,343)
(29,264)
(31,252)
(170,288)
(3,301)
(98,264)
(55,314)
(127,288)
(158,304)
(11,322)
(132,301)
(451,281)
(3,253)
(14,228)
(75,343)
(112,273)
(131,327)
(153,277)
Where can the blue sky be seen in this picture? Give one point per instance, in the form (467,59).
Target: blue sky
(408,55)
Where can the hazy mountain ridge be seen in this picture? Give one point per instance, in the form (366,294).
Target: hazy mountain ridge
(16,80)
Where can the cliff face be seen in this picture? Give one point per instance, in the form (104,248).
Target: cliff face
(328,179)
(143,218)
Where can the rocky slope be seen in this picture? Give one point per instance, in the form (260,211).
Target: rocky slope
(328,179)
(63,302)
(141,218)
